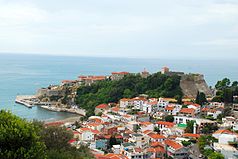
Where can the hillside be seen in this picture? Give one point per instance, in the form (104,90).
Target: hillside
(193,83)
(155,85)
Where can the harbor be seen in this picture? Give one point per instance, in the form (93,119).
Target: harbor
(27,100)
(30,101)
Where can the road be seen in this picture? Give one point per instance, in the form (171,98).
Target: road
(194,152)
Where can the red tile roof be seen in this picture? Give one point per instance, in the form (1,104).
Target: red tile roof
(138,150)
(156,136)
(173,144)
(147,131)
(168,124)
(120,73)
(146,123)
(187,110)
(115,109)
(102,106)
(223,131)
(191,135)
(156,144)
(156,150)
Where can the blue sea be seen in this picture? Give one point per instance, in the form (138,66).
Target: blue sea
(23,74)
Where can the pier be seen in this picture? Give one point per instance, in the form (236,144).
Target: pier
(27,100)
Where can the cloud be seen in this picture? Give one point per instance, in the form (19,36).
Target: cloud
(19,14)
(118,28)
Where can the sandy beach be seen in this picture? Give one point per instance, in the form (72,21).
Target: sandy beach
(66,120)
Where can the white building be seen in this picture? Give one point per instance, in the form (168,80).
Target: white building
(228,151)
(163,103)
(116,149)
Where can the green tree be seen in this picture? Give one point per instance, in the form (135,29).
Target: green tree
(201,98)
(127,93)
(228,95)
(157,129)
(235,84)
(156,85)
(112,141)
(189,128)
(223,84)
(186,143)
(56,137)
(208,129)
(179,99)
(19,139)
(169,118)
(215,155)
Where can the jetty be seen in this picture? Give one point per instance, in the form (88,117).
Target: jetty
(27,100)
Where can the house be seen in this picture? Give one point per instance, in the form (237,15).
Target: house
(101,108)
(156,137)
(144,74)
(125,102)
(135,153)
(218,133)
(211,112)
(196,107)
(95,126)
(163,103)
(87,134)
(190,112)
(191,136)
(111,129)
(116,149)
(133,126)
(229,121)
(138,102)
(176,150)
(139,140)
(157,152)
(228,151)
(118,75)
(169,110)
(89,80)
(182,119)
(164,124)
(146,126)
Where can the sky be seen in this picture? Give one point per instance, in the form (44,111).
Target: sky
(176,29)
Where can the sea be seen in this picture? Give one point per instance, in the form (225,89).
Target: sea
(22,74)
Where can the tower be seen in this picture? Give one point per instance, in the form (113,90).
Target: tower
(194,128)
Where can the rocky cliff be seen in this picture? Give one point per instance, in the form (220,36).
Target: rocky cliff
(192,83)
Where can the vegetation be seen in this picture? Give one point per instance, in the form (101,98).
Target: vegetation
(226,91)
(209,129)
(169,118)
(20,139)
(186,143)
(157,129)
(201,98)
(205,141)
(189,128)
(156,85)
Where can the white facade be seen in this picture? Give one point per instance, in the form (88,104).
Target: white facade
(214,114)
(116,149)
(227,151)
(226,138)
(162,103)
(86,136)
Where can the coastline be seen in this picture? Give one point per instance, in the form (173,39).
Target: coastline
(79,112)
(66,120)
